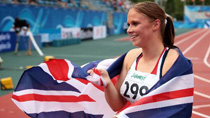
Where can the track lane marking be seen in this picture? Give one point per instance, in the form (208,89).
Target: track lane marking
(189,37)
(196,42)
(200,114)
(187,33)
(201,106)
(206,57)
(184,52)
(201,78)
(201,94)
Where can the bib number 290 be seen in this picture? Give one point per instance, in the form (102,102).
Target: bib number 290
(134,89)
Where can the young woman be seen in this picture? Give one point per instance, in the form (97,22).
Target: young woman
(152,32)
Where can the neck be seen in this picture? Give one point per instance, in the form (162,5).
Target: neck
(152,51)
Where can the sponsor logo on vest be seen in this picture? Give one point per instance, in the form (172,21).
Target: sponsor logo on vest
(138,76)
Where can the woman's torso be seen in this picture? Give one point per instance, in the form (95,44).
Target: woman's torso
(136,83)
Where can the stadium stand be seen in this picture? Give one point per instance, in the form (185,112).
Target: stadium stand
(106,5)
(36,12)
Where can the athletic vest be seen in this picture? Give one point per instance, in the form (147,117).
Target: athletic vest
(136,83)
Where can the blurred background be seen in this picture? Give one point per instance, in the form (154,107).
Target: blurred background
(78,30)
(50,16)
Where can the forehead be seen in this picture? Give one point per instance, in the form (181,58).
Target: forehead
(134,15)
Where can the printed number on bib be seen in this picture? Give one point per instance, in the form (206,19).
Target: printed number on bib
(135,90)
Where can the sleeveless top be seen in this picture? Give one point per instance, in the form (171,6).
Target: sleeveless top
(136,83)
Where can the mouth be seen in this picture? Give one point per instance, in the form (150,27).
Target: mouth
(133,37)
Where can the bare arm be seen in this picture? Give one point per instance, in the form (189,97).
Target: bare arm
(112,92)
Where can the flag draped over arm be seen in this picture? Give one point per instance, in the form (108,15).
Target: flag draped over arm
(59,88)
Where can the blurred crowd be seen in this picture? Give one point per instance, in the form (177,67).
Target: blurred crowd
(116,5)
(61,3)
(32,2)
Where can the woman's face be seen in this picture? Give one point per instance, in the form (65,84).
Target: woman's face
(139,28)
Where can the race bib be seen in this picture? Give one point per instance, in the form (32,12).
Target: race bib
(136,85)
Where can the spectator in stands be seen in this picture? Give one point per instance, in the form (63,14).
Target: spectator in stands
(4,1)
(32,2)
(121,4)
(61,3)
(114,4)
(15,1)
(72,2)
(107,2)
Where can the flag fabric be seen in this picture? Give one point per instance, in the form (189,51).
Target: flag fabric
(60,89)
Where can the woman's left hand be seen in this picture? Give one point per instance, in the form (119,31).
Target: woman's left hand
(99,77)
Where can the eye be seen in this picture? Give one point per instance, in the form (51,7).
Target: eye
(135,23)
(128,24)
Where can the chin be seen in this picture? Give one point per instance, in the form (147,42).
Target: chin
(136,44)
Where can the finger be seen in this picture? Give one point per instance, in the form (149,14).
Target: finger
(90,72)
(97,71)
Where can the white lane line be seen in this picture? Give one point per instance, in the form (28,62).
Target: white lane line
(200,114)
(201,94)
(184,34)
(198,77)
(206,57)
(197,41)
(202,79)
(201,106)
(189,37)
(194,58)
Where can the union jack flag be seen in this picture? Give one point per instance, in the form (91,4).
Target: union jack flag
(58,88)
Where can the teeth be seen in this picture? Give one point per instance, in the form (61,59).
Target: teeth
(132,36)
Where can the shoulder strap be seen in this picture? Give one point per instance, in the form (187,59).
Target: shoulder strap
(137,61)
(162,62)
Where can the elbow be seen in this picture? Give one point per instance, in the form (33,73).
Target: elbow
(117,107)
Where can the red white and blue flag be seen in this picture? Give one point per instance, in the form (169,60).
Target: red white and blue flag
(60,89)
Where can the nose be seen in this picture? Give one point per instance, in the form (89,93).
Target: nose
(129,30)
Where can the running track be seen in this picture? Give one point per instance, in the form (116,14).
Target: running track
(195,45)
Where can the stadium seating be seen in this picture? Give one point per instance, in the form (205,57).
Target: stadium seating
(106,5)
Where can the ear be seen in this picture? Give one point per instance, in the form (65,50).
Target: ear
(156,24)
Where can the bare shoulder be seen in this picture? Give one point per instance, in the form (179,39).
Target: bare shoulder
(129,59)
(134,52)
(172,56)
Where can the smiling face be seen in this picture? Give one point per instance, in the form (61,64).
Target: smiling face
(140,28)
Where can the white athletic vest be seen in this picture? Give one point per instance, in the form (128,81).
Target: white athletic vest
(137,83)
